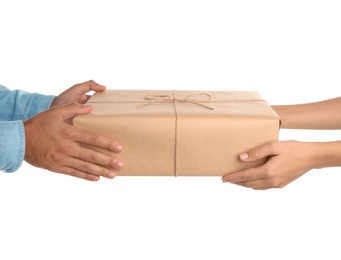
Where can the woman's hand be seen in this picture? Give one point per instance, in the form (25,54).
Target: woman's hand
(287,161)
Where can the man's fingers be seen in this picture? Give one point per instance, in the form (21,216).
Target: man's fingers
(71,110)
(91,168)
(81,168)
(79,174)
(96,140)
(97,158)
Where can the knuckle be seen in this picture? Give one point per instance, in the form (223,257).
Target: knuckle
(85,168)
(242,176)
(56,158)
(65,149)
(91,177)
(66,134)
(111,146)
(93,157)
(255,153)
(73,103)
(94,139)
(105,173)
(112,162)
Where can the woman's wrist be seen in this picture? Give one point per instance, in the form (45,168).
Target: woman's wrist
(325,154)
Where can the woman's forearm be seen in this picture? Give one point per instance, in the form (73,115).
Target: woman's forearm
(326,154)
(324,114)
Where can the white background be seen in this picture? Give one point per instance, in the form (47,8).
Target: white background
(288,51)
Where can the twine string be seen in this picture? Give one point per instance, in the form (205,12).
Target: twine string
(175,135)
(169,99)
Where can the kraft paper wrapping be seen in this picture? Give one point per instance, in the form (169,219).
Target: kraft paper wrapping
(181,133)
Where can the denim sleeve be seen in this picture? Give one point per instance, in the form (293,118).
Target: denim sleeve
(12,145)
(16,106)
(21,105)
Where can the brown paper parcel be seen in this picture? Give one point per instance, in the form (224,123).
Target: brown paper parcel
(181,133)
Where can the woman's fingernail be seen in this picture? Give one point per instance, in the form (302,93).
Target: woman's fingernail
(244,156)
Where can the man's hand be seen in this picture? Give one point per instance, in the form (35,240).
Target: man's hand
(77,93)
(55,145)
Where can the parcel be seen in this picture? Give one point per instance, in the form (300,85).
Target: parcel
(180,132)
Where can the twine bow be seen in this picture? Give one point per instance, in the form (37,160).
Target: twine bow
(187,99)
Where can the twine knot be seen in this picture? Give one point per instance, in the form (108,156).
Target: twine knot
(187,99)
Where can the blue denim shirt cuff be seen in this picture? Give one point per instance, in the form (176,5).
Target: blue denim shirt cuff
(12,145)
(40,103)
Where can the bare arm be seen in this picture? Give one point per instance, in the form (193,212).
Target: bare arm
(324,114)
